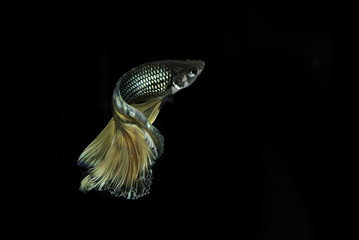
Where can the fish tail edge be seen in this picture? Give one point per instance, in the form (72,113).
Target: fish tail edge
(125,168)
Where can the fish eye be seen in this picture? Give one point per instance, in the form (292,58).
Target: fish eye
(192,71)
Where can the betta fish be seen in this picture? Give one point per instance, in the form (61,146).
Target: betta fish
(121,157)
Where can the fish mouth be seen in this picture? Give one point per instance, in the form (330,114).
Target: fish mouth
(201,64)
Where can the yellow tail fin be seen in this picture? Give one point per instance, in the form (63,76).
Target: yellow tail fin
(97,150)
(120,158)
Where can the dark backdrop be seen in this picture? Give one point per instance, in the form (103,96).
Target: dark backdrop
(249,144)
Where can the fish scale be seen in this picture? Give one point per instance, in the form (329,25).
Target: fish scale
(146,81)
(121,157)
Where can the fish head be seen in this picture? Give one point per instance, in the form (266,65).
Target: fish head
(184,73)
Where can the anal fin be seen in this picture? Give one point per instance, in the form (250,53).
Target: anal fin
(150,108)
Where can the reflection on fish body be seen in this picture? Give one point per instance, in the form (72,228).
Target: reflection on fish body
(121,156)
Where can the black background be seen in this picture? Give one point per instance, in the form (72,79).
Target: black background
(249,144)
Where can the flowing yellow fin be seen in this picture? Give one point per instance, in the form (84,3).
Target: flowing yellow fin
(121,160)
(97,150)
(150,108)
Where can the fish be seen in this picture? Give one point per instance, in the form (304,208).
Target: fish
(120,159)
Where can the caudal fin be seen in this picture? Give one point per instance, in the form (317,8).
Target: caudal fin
(120,160)
(97,150)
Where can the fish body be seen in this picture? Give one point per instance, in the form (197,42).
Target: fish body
(121,156)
